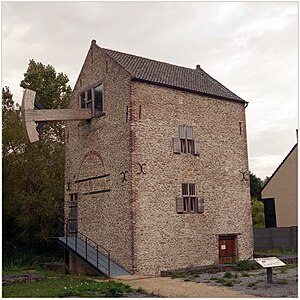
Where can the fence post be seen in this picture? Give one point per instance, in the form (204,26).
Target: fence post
(76,242)
(67,230)
(86,247)
(97,256)
(271,238)
(291,238)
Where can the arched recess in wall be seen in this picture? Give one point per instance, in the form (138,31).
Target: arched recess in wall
(91,173)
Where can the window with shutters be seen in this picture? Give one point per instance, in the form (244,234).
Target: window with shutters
(189,202)
(185,142)
(93,98)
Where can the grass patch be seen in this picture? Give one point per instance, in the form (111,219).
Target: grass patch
(280,251)
(226,281)
(178,275)
(66,286)
(288,267)
(35,270)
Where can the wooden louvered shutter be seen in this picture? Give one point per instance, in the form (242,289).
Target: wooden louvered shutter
(200,202)
(176,145)
(179,205)
(182,131)
(189,133)
(196,147)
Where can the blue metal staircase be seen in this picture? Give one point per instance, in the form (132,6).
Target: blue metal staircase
(92,253)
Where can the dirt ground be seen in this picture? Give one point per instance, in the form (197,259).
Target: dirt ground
(233,284)
(178,288)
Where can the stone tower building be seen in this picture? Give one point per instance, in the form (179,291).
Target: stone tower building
(159,175)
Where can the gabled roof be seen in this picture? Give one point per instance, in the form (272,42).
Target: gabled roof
(165,74)
(279,167)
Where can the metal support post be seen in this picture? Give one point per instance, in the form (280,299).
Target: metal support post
(109,264)
(97,255)
(67,230)
(86,247)
(269,275)
(76,242)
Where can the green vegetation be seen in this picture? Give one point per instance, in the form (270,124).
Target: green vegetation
(66,286)
(245,265)
(228,275)
(30,269)
(178,275)
(280,251)
(255,186)
(33,174)
(226,281)
(288,267)
(258,215)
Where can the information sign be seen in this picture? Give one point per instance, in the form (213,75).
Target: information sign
(270,262)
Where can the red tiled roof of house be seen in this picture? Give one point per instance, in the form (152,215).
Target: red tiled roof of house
(165,74)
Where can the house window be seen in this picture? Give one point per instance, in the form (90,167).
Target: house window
(93,98)
(185,142)
(186,139)
(189,197)
(189,202)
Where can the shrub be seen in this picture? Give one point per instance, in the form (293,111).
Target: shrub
(228,275)
(245,265)
(228,283)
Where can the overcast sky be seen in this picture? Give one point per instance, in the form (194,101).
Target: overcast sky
(250,47)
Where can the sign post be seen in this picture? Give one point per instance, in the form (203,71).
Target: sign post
(269,263)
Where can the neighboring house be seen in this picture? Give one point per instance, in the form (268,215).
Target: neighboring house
(280,193)
(158,176)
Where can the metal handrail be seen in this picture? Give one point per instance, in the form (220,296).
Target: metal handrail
(64,230)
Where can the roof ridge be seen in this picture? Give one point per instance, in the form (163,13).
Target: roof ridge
(155,60)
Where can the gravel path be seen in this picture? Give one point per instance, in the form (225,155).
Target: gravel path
(232,284)
(285,282)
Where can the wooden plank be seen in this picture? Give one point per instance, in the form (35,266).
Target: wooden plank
(58,114)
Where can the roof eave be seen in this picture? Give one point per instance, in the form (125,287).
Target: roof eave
(190,90)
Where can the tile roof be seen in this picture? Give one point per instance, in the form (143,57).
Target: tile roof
(165,74)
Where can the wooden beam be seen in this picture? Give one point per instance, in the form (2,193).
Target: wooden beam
(58,114)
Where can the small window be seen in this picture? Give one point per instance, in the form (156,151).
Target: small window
(93,98)
(98,95)
(185,142)
(189,202)
(189,197)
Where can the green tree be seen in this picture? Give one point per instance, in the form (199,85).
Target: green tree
(33,174)
(258,216)
(255,186)
(52,91)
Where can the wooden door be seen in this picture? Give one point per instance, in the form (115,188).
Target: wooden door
(73,214)
(227,249)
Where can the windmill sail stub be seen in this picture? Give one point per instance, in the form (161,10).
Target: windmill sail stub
(28,124)
(30,115)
